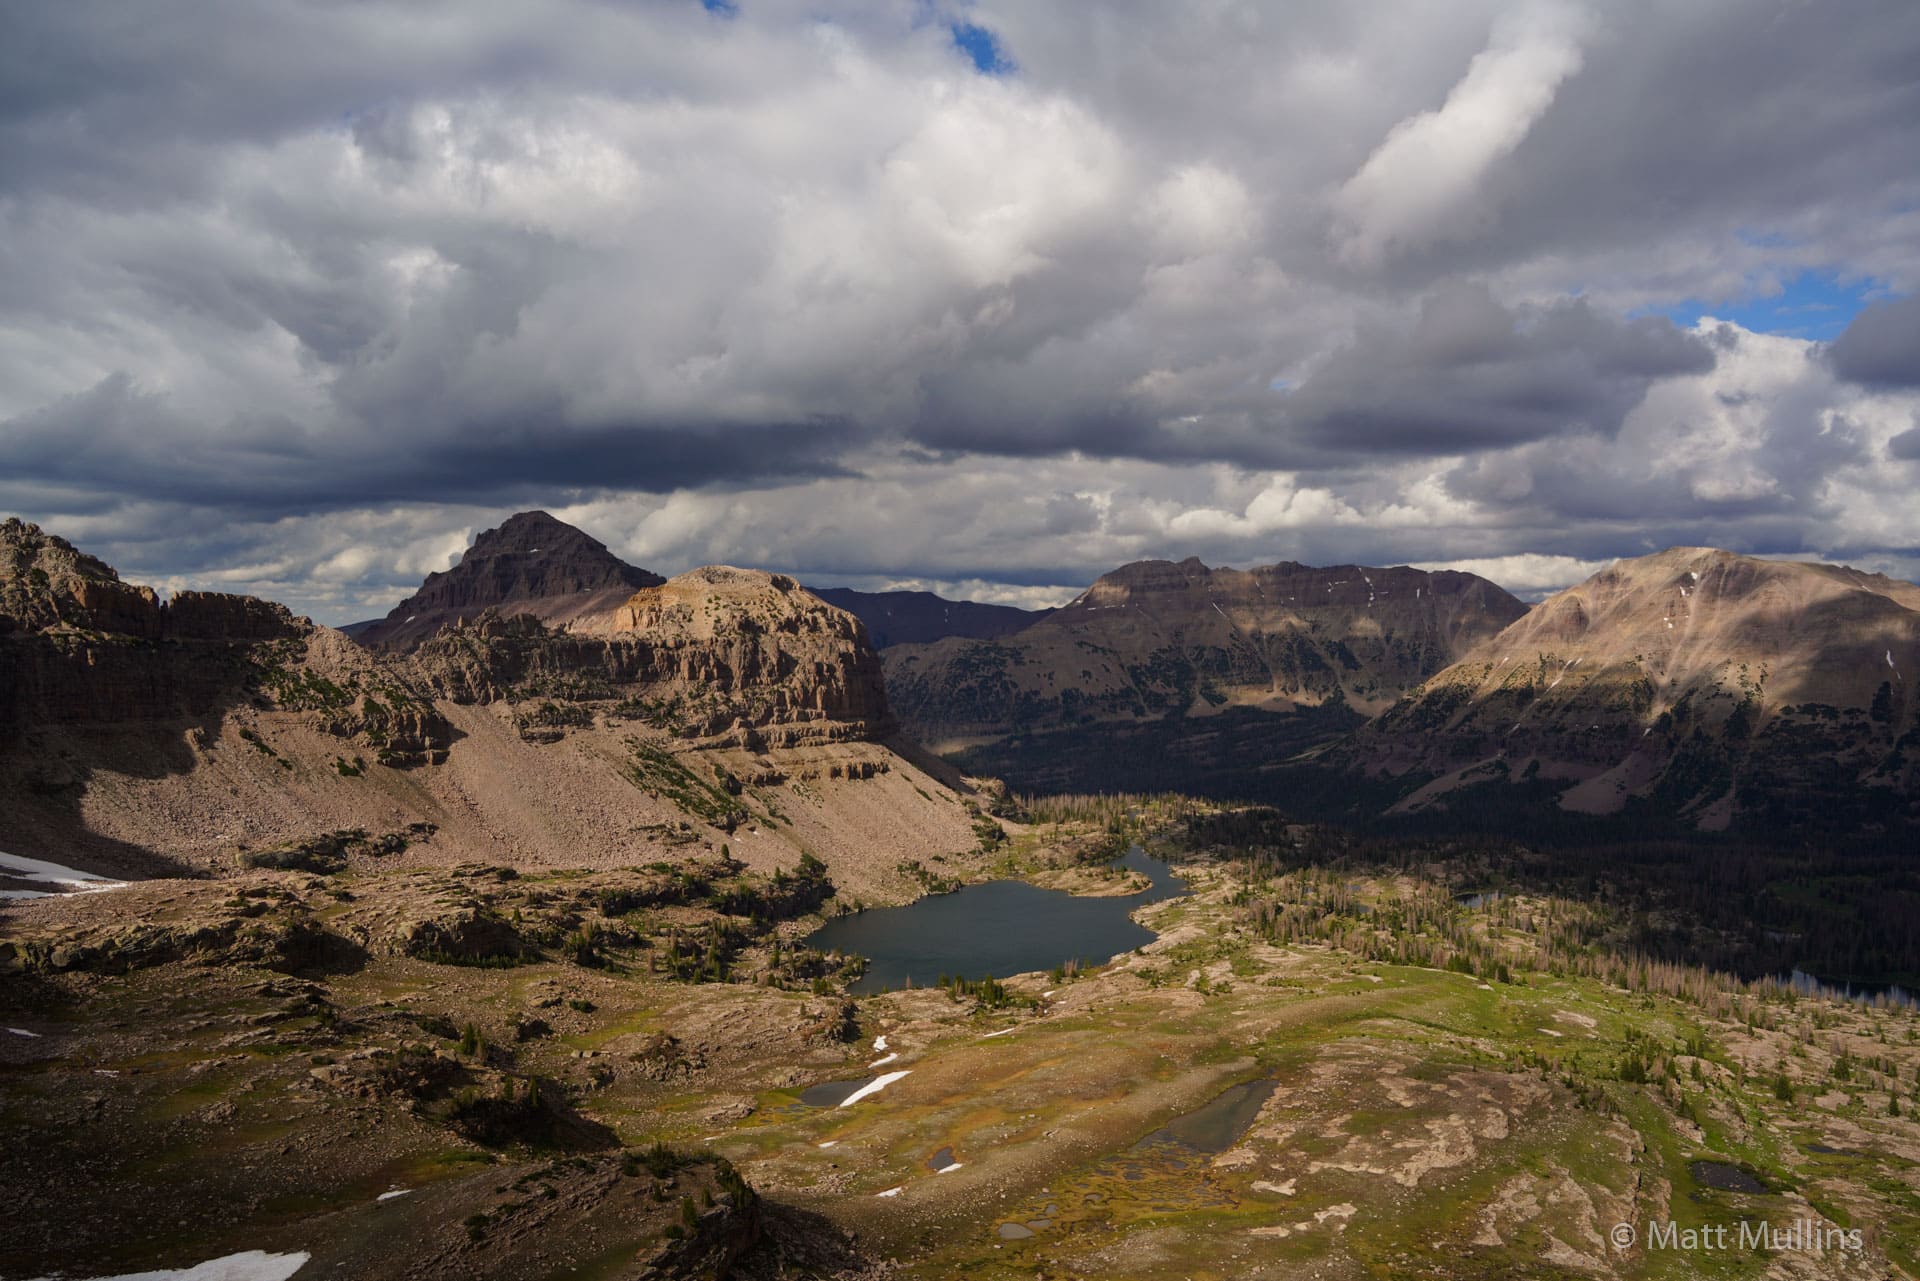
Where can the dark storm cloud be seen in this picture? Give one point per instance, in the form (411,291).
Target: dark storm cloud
(1882,345)
(268,259)
(116,439)
(1470,375)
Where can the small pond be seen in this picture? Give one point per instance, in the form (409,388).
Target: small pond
(831,1094)
(1726,1177)
(998,928)
(1217,1126)
(1863,993)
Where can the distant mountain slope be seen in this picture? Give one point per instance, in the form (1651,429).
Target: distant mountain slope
(1698,682)
(532,564)
(920,618)
(1155,639)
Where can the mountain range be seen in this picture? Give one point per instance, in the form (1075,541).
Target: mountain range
(519,701)
(476,915)
(723,706)
(535,564)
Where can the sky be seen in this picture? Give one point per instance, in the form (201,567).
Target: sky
(985,298)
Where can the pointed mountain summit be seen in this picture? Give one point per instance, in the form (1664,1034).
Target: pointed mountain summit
(532,564)
(1692,682)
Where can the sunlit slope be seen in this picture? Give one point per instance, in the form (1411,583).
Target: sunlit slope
(1709,684)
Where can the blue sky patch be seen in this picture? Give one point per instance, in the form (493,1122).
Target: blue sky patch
(1814,304)
(979,44)
(725,8)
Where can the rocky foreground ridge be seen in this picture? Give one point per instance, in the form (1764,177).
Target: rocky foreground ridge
(1157,639)
(1694,681)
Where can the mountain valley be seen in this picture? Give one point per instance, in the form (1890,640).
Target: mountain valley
(488,951)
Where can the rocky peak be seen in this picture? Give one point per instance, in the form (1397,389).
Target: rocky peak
(45,581)
(1697,680)
(719,601)
(532,564)
(46,584)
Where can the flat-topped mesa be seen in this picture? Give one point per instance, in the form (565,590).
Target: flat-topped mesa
(1699,681)
(532,564)
(1159,638)
(715,653)
(1453,609)
(779,655)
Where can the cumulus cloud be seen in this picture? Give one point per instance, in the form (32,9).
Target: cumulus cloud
(298,296)
(1529,576)
(1423,183)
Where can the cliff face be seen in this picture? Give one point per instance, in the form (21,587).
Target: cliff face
(79,646)
(532,564)
(1699,682)
(141,737)
(716,652)
(1157,638)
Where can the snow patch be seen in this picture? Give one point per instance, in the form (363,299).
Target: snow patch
(395,1194)
(41,872)
(253,1265)
(874,1086)
(880,1045)
(949,1169)
(20,1031)
(893,1191)
(882,1062)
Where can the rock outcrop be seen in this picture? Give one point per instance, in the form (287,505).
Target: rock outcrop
(532,564)
(79,646)
(210,733)
(1156,638)
(714,653)
(1693,682)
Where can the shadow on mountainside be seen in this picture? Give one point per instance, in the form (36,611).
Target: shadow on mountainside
(45,775)
(80,709)
(935,767)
